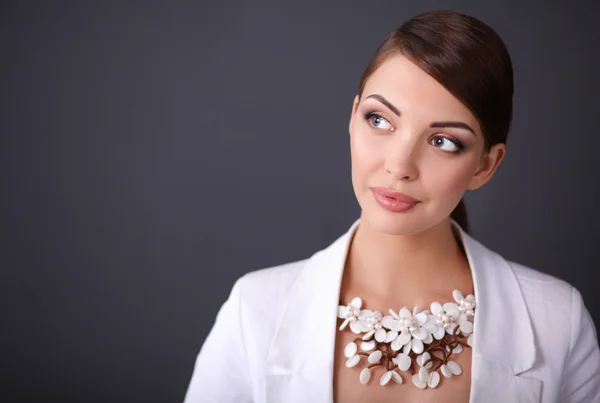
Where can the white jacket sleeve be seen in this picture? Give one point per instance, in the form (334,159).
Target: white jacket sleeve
(581,372)
(221,371)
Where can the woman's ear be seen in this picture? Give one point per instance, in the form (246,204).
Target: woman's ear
(354,106)
(488,166)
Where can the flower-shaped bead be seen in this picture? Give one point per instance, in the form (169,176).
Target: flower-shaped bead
(446,318)
(350,313)
(466,305)
(371,323)
(412,328)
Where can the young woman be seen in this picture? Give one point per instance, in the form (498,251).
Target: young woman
(406,306)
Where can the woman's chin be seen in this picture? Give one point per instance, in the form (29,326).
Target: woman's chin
(391,223)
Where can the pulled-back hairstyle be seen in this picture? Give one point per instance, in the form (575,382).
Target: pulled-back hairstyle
(468,58)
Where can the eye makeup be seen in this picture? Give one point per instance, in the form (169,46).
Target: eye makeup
(373,119)
(435,141)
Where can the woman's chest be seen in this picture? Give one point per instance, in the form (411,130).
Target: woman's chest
(347,386)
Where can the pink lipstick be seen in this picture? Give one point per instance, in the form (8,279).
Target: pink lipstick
(393,201)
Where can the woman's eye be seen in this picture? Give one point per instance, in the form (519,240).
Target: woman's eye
(446,144)
(378,121)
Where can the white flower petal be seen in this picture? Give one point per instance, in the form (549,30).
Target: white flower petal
(417,382)
(421,318)
(352,361)
(457,295)
(391,335)
(466,328)
(439,334)
(431,325)
(423,375)
(470,298)
(454,367)
(403,361)
(344,324)
(450,306)
(394,314)
(428,339)
(367,345)
(455,313)
(419,333)
(385,378)
(368,335)
(446,371)
(380,335)
(436,308)
(375,356)
(350,349)
(365,376)
(407,347)
(457,350)
(470,340)
(416,310)
(395,344)
(424,357)
(356,303)
(404,338)
(390,323)
(341,313)
(358,327)
(365,313)
(417,346)
(451,327)
(405,313)
(396,377)
(434,379)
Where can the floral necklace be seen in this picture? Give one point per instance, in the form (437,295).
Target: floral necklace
(429,337)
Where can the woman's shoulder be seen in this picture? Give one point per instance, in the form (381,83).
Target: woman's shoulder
(548,296)
(564,331)
(267,288)
(555,305)
(274,278)
(537,283)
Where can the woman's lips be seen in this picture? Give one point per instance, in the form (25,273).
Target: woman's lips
(393,201)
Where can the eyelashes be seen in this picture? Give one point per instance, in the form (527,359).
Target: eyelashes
(378,118)
(376,121)
(438,141)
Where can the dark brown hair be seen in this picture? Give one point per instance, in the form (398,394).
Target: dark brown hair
(469,59)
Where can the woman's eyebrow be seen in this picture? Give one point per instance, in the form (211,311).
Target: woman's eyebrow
(385,102)
(456,125)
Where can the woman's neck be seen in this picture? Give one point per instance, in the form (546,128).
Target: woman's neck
(428,263)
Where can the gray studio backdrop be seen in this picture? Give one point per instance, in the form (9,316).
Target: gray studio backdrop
(153,152)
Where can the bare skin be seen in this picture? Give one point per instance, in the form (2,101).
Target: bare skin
(346,385)
(410,258)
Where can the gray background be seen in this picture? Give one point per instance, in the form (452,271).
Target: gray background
(154,152)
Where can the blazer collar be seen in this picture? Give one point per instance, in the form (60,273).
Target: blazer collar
(301,354)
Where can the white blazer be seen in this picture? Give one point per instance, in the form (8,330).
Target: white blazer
(273,339)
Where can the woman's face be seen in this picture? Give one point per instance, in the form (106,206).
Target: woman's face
(409,134)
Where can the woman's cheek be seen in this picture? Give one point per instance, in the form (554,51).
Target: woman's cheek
(454,183)
(369,150)
(361,153)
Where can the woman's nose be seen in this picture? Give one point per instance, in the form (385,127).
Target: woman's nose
(401,158)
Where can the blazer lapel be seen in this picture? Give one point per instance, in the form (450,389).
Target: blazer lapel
(300,359)
(503,345)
